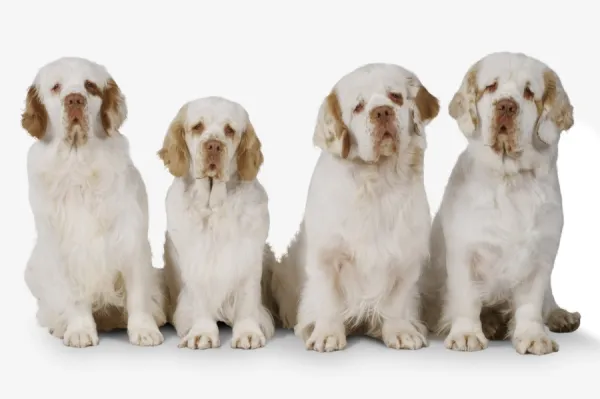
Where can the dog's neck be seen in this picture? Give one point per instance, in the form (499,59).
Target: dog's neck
(209,192)
(530,164)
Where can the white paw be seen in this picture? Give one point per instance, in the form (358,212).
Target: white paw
(467,341)
(534,343)
(145,335)
(248,340)
(200,340)
(407,339)
(81,337)
(326,341)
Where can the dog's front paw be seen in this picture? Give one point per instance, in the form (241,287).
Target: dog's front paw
(405,339)
(248,340)
(326,341)
(538,343)
(200,340)
(145,335)
(81,337)
(561,321)
(466,341)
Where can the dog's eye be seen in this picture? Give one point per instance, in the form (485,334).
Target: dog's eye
(56,88)
(91,88)
(229,131)
(528,94)
(396,98)
(359,107)
(198,127)
(491,88)
(90,85)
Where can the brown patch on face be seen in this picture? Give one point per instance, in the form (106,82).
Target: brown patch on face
(198,128)
(504,126)
(249,155)
(555,98)
(174,152)
(92,88)
(341,131)
(35,117)
(427,104)
(113,111)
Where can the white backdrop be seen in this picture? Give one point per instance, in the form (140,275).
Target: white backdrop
(279,59)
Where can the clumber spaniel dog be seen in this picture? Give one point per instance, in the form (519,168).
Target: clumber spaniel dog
(497,232)
(91,265)
(217,226)
(355,263)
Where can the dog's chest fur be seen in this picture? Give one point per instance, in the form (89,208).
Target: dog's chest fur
(209,241)
(511,225)
(375,233)
(76,199)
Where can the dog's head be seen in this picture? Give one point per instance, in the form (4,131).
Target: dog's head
(212,137)
(372,112)
(512,104)
(73,99)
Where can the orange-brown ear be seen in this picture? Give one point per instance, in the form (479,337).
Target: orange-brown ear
(35,117)
(556,110)
(249,156)
(427,105)
(556,102)
(174,152)
(463,106)
(331,134)
(114,108)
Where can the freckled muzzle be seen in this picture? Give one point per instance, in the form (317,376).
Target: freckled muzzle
(504,130)
(75,105)
(385,131)
(213,155)
(75,110)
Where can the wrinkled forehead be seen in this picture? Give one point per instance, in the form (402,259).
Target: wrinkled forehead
(371,79)
(67,70)
(511,67)
(216,110)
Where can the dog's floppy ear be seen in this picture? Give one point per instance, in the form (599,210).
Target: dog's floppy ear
(113,111)
(35,117)
(331,134)
(174,152)
(249,157)
(426,106)
(556,113)
(463,106)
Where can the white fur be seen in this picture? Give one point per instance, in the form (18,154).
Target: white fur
(497,232)
(90,207)
(215,238)
(358,255)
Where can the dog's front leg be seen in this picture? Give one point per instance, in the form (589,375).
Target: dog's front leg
(463,305)
(321,307)
(529,335)
(141,326)
(401,327)
(193,311)
(251,324)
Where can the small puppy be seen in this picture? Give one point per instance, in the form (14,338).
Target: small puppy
(91,267)
(217,225)
(355,263)
(497,232)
